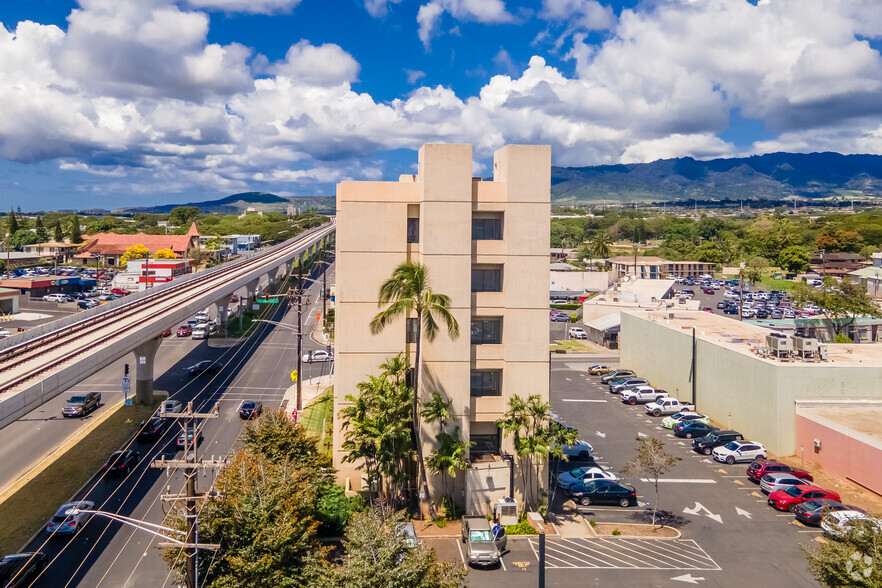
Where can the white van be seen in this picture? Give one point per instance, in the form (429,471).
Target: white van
(200,332)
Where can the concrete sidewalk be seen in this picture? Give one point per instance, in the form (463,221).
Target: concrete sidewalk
(309,389)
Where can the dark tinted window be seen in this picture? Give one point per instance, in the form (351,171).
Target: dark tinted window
(486,280)
(486,383)
(484,229)
(413,327)
(486,331)
(413,230)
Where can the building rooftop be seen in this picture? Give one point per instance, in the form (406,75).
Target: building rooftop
(743,337)
(859,415)
(634,292)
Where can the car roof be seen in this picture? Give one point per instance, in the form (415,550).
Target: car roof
(782,476)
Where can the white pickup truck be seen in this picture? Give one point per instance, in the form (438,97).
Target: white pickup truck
(667,406)
(642,395)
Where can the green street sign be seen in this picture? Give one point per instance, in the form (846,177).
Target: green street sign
(267,300)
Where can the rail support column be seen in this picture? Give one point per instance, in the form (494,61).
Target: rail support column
(144,355)
(223,312)
(252,292)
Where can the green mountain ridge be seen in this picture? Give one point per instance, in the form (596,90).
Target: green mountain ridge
(237,203)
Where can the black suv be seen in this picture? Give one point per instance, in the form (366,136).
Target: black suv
(707,444)
(23,567)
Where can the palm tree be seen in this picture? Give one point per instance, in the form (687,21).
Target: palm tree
(408,291)
(600,245)
(437,409)
(450,457)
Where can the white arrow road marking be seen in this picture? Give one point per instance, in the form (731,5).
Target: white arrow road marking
(743,512)
(688,578)
(699,508)
(569,380)
(599,434)
(639,434)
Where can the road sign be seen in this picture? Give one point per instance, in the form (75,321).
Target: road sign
(126,385)
(267,300)
(294,376)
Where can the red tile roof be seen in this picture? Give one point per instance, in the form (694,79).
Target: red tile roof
(115,244)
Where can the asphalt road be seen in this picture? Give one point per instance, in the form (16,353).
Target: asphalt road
(730,539)
(107,554)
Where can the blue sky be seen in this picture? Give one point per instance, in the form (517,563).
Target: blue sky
(113,103)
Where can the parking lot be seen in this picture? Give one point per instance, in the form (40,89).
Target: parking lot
(730,536)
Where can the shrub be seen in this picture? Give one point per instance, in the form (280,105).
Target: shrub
(522,528)
(616,532)
(592,523)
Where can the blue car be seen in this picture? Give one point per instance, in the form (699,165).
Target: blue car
(67,521)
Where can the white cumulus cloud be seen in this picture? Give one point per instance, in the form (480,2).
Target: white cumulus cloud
(483,11)
(323,65)
(246,6)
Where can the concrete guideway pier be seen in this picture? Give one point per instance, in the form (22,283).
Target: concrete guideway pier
(223,312)
(145,353)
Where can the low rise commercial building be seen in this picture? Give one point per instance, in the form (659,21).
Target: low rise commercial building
(657,268)
(60,252)
(107,248)
(144,273)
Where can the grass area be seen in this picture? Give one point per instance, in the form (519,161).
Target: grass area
(571,345)
(319,411)
(774,284)
(27,510)
(233,328)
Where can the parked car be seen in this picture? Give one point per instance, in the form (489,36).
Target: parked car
(81,404)
(566,479)
(206,365)
(55,298)
(190,436)
(4,333)
(481,547)
(714,439)
(788,499)
(317,355)
(172,406)
(407,532)
(87,304)
(200,332)
(840,523)
(67,521)
(604,492)
(739,451)
(21,569)
(152,429)
(684,417)
(760,467)
(616,375)
(617,386)
(599,370)
(559,317)
(642,395)
(811,512)
(120,291)
(779,481)
(250,409)
(120,463)
(722,304)
(580,450)
(667,406)
(690,429)
(578,333)
(185,331)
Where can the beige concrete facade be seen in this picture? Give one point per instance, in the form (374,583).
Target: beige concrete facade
(372,239)
(736,387)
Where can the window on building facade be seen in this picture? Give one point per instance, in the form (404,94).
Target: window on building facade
(486,229)
(487,280)
(486,331)
(413,326)
(485,444)
(413,230)
(486,383)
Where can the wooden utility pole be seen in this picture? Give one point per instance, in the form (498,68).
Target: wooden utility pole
(297,296)
(190,465)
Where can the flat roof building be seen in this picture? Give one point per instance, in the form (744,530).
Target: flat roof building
(656,268)
(485,244)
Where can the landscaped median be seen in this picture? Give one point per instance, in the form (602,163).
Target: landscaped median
(29,503)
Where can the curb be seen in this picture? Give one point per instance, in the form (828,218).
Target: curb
(679,534)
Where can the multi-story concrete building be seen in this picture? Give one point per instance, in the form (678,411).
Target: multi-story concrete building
(485,244)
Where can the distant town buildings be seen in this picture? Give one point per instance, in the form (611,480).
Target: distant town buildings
(656,268)
(107,248)
(142,273)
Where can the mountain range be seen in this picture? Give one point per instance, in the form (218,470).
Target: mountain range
(236,203)
(774,176)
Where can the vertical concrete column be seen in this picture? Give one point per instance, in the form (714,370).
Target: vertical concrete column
(223,311)
(252,291)
(144,355)
(271,279)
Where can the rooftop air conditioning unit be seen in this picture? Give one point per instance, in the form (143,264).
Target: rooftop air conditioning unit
(805,344)
(779,344)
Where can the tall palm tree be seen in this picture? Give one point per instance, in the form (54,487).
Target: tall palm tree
(600,245)
(408,291)
(450,457)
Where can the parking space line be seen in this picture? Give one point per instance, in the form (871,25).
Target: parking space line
(459,548)
(660,554)
(673,554)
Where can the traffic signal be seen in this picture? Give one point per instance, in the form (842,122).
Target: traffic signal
(126,371)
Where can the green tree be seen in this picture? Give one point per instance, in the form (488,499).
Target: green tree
(852,561)
(840,302)
(59,234)
(600,245)
(755,269)
(11,223)
(451,456)
(183,216)
(42,233)
(653,462)
(76,236)
(794,259)
(21,238)
(378,555)
(409,291)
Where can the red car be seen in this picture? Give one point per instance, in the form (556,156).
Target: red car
(185,331)
(166,333)
(708,290)
(234,298)
(788,499)
(120,291)
(757,469)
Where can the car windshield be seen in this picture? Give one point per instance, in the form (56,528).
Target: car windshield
(479,535)
(248,405)
(77,399)
(732,446)
(577,472)
(794,491)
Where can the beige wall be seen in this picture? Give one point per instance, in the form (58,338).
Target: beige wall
(371,242)
(582,281)
(759,394)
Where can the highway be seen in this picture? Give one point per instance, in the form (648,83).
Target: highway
(107,554)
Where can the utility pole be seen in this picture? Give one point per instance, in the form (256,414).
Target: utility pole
(300,299)
(191,544)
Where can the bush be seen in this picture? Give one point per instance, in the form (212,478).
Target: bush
(451,511)
(522,528)
(616,532)
(840,338)
(334,510)
(592,523)
(566,306)
(440,522)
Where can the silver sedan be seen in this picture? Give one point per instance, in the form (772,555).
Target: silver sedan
(779,481)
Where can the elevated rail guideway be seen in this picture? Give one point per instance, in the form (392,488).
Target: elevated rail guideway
(45,361)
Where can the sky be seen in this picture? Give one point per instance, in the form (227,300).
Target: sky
(117,103)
